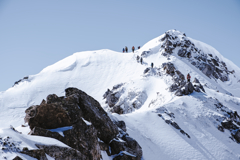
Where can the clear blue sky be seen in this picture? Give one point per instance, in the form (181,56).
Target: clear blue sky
(38,33)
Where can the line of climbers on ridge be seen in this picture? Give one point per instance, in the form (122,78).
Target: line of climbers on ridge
(141,61)
(126,49)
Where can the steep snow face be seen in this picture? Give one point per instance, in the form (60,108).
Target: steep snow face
(196,126)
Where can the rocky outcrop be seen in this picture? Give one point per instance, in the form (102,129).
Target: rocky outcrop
(179,83)
(210,65)
(60,153)
(21,80)
(93,112)
(47,116)
(230,120)
(38,154)
(124,100)
(89,128)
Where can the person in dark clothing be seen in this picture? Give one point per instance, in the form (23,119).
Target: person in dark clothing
(126,49)
(123,50)
(152,65)
(133,48)
(138,47)
(141,60)
(188,77)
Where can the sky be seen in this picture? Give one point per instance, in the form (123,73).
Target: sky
(36,34)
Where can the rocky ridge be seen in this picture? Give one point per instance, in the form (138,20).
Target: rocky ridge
(88,129)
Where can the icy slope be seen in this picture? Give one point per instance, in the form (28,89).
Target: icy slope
(155,108)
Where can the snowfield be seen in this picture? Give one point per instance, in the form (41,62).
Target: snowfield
(166,126)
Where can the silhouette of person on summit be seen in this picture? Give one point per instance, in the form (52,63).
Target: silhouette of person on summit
(133,48)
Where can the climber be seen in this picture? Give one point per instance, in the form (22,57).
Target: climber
(138,47)
(126,49)
(123,50)
(188,77)
(133,48)
(141,60)
(152,65)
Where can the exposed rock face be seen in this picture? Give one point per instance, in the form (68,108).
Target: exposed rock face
(47,116)
(21,80)
(121,125)
(124,143)
(121,100)
(210,65)
(39,154)
(179,83)
(60,153)
(88,121)
(93,112)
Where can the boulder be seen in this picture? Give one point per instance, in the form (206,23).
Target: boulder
(38,154)
(182,52)
(60,153)
(82,137)
(121,125)
(228,124)
(47,116)
(17,158)
(93,112)
(126,144)
(169,68)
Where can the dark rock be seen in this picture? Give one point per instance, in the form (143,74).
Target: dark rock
(60,153)
(175,125)
(146,70)
(39,154)
(215,62)
(46,133)
(53,98)
(190,87)
(122,125)
(173,87)
(237,136)
(17,158)
(220,128)
(103,146)
(93,112)
(82,137)
(182,52)
(48,116)
(169,68)
(106,93)
(127,144)
(168,121)
(118,86)
(112,99)
(117,109)
(179,92)
(228,124)
(117,146)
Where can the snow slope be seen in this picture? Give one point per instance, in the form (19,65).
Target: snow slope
(96,71)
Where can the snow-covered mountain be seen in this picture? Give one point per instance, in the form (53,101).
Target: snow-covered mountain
(167,122)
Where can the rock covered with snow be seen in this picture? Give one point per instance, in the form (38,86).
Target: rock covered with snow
(210,65)
(123,100)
